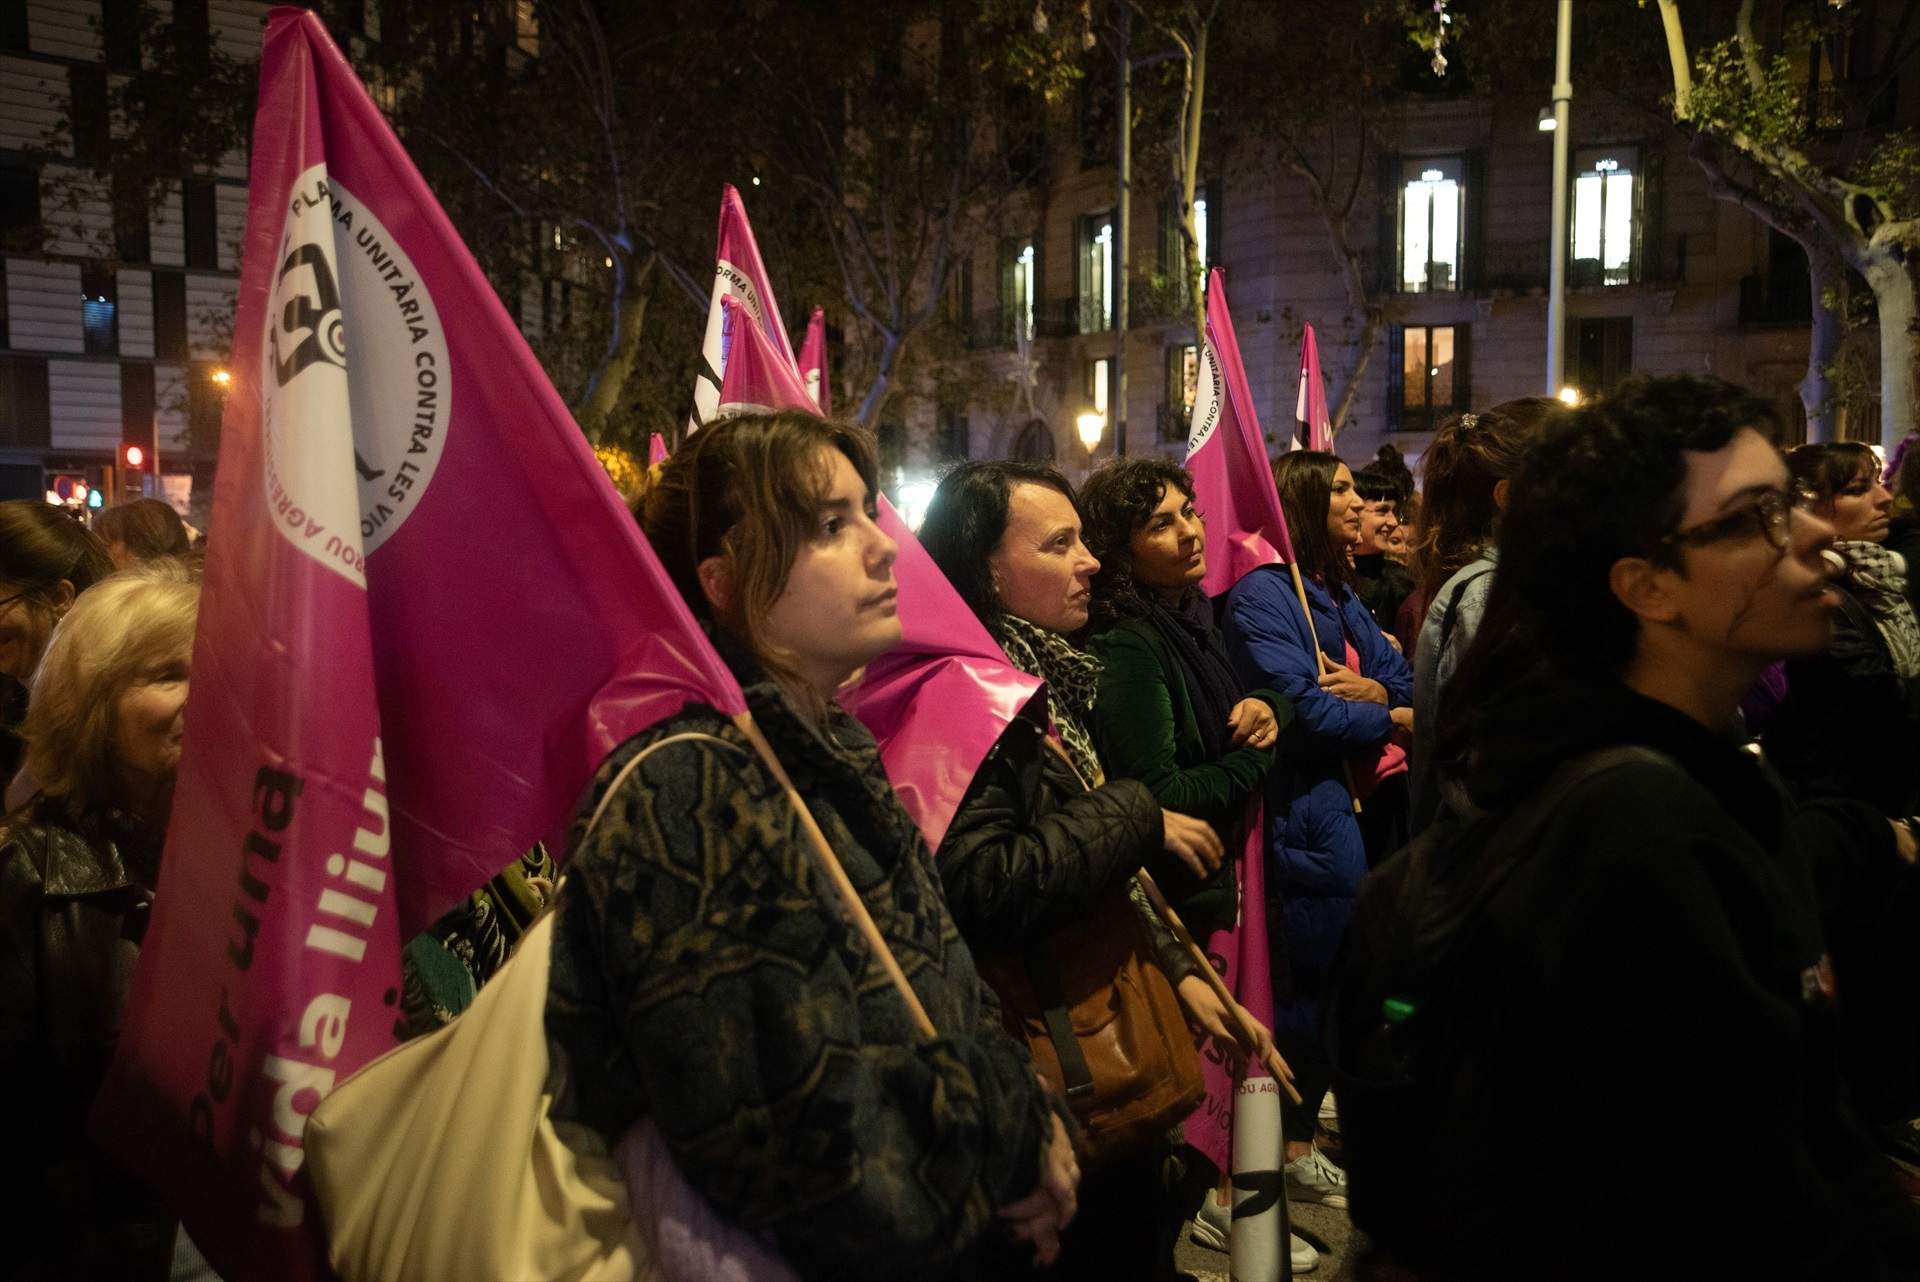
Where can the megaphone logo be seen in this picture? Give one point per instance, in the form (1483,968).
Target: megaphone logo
(308,328)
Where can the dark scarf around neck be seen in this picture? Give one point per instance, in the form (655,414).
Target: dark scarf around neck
(1187,629)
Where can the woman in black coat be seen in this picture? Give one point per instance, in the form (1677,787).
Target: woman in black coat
(1041,838)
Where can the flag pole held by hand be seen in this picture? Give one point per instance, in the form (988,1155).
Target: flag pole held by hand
(1276,1066)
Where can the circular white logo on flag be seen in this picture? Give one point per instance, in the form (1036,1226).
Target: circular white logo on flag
(356,387)
(1209,398)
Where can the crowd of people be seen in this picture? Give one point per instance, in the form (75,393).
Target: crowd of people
(1582,784)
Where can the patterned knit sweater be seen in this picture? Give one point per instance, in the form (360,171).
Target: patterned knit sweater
(703,973)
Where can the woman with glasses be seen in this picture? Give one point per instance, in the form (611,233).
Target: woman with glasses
(1849,726)
(47,558)
(1650,949)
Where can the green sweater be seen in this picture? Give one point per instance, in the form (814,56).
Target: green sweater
(1145,728)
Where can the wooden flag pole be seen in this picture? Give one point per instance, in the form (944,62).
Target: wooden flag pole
(830,865)
(1277,1067)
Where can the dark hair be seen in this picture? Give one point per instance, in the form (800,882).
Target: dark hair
(1118,499)
(1604,481)
(1822,470)
(1376,486)
(748,488)
(1906,482)
(1389,463)
(966,518)
(147,528)
(40,544)
(1305,481)
(1470,455)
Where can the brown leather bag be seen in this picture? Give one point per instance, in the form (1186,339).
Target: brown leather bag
(1103,1026)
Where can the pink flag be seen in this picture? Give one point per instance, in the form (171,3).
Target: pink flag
(813,363)
(1228,458)
(426,619)
(1240,956)
(939,700)
(656,449)
(738,273)
(1311,405)
(758,377)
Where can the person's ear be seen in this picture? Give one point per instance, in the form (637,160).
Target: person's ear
(716,584)
(1502,490)
(1644,588)
(61,595)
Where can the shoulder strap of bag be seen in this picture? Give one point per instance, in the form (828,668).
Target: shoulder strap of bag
(606,798)
(1450,615)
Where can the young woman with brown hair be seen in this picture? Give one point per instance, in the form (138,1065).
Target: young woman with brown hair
(703,971)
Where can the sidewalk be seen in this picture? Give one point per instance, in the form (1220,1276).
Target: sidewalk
(1325,1228)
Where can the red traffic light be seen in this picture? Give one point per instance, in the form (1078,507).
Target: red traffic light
(134,456)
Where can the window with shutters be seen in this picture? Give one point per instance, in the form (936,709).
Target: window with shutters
(87,114)
(25,417)
(170,316)
(1206,227)
(1183,385)
(100,311)
(1428,376)
(1094,275)
(1431,238)
(1604,247)
(1602,350)
(200,212)
(1019,286)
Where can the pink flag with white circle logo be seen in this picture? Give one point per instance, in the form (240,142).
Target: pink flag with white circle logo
(426,619)
(813,362)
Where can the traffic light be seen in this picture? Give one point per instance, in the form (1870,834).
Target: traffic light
(133,457)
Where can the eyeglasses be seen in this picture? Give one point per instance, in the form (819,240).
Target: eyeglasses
(1770,515)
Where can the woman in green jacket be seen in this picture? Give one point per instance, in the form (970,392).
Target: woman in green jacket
(1169,711)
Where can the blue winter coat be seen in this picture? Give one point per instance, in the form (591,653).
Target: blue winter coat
(1315,857)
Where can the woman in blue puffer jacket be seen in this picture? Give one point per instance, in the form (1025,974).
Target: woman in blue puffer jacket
(1353,709)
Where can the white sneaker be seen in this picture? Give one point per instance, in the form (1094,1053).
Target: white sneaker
(1312,1178)
(1213,1227)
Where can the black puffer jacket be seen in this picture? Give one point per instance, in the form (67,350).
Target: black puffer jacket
(72,914)
(1030,846)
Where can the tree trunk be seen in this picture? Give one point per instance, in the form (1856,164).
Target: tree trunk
(1893,295)
(1826,274)
(882,380)
(610,380)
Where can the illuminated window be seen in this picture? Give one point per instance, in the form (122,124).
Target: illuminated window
(1429,378)
(1606,216)
(1096,273)
(1019,282)
(1432,215)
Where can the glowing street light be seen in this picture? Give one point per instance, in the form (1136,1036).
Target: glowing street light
(1570,395)
(1091,424)
(222,377)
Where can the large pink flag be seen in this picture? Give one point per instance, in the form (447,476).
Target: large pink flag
(813,363)
(656,449)
(939,700)
(759,377)
(739,274)
(1310,407)
(1246,529)
(1228,458)
(426,619)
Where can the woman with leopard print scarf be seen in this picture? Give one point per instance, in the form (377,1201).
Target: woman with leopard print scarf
(1042,837)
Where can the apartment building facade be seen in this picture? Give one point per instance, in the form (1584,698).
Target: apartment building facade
(1452,228)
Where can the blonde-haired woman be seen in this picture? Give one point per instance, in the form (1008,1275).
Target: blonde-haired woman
(78,864)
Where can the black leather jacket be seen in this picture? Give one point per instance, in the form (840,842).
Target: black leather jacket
(72,914)
(1030,846)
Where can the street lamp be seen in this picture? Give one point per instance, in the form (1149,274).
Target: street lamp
(1570,395)
(222,377)
(1091,424)
(1546,124)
